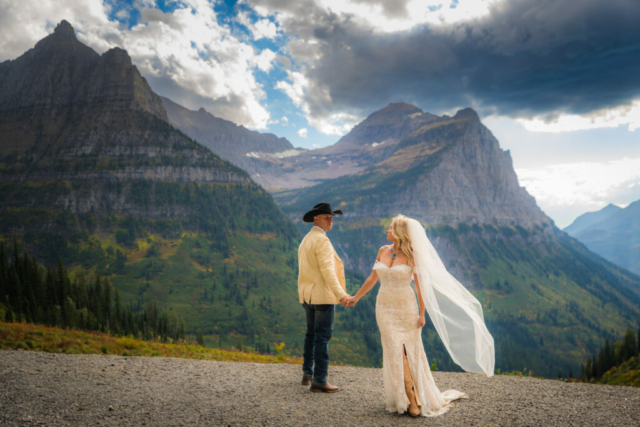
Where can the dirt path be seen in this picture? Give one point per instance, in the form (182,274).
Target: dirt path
(52,389)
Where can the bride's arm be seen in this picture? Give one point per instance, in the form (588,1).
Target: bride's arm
(421,319)
(367,285)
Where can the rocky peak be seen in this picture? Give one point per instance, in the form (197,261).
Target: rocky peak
(397,108)
(388,126)
(62,72)
(63,34)
(64,29)
(467,114)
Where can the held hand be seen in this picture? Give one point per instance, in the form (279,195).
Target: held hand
(421,321)
(353,301)
(345,300)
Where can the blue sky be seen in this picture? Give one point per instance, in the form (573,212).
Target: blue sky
(555,81)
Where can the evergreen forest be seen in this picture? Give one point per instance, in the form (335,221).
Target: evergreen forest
(32,293)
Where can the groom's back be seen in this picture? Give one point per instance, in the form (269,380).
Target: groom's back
(325,288)
(307,259)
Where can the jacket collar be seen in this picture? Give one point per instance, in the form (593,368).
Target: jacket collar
(316,228)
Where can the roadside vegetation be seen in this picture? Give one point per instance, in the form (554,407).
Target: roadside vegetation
(27,336)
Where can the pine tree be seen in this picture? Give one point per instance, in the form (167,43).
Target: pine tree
(118,312)
(4,271)
(106,304)
(96,303)
(629,345)
(608,361)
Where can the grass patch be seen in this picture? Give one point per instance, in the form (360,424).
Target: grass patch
(27,336)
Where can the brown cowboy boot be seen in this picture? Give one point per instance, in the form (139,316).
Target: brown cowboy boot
(412,397)
(324,388)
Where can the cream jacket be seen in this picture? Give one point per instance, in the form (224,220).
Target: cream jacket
(321,271)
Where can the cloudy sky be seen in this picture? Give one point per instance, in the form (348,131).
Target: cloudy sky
(556,81)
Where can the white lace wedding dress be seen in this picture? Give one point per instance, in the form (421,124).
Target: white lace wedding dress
(397,317)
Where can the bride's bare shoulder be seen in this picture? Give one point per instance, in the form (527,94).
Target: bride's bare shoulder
(383,248)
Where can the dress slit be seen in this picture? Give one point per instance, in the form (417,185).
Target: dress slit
(415,385)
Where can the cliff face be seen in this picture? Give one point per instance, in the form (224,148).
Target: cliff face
(447,170)
(87,127)
(473,181)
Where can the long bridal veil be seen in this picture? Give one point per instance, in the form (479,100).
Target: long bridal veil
(454,311)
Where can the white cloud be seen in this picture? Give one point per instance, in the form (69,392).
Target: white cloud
(285,120)
(185,49)
(606,118)
(260,29)
(564,191)
(326,122)
(416,12)
(264,29)
(303,132)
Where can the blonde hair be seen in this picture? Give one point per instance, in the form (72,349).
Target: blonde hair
(400,230)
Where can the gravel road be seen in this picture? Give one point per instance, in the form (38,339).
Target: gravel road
(55,389)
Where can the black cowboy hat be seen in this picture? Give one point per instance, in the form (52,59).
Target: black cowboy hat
(319,209)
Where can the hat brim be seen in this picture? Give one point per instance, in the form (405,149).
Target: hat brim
(308,217)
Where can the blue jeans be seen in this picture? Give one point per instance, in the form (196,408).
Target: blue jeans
(316,341)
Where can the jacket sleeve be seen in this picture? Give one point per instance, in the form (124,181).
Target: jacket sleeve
(324,255)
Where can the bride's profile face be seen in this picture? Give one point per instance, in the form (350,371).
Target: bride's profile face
(390,236)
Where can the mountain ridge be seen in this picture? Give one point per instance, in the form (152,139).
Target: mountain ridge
(613,233)
(590,218)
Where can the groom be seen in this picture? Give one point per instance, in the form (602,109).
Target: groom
(321,285)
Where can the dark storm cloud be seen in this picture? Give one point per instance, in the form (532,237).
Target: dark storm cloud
(526,57)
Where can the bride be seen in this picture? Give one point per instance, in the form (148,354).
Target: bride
(455,313)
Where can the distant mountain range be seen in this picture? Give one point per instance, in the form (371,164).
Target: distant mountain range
(100,171)
(613,233)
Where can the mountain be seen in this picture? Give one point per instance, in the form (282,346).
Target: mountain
(276,165)
(252,151)
(613,233)
(548,300)
(590,218)
(92,173)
